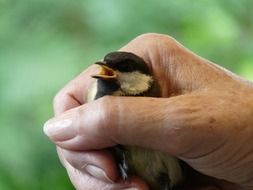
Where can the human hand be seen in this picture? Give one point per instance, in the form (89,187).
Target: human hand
(204,118)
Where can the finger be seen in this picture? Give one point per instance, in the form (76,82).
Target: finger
(80,179)
(74,93)
(176,69)
(99,164)
(134,183)
(60,155)
(84,181)
(181,125)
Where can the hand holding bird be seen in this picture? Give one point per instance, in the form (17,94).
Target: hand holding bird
(204,118)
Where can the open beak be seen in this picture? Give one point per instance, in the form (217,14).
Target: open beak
(105,72)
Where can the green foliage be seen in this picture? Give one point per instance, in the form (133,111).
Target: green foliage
(45,43)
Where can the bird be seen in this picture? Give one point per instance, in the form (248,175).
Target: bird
(126,74)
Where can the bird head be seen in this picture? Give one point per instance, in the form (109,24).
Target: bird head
(128,71)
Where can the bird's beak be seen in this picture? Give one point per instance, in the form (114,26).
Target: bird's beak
(105,72)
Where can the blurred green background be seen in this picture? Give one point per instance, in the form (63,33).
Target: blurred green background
(46,43)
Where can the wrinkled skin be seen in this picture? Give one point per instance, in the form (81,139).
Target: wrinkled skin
(204,118)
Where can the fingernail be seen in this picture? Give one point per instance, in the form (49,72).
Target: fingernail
(97,173)
(59,130)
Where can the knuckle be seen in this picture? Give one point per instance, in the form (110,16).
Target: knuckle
(94,119)
(155,38)
(80,118)
(61,97)
(149,36)
(57,99)
(105,108)
(107,112)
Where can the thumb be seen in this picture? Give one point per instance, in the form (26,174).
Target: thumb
(175,125)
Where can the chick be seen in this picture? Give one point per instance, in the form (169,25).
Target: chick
(125,74)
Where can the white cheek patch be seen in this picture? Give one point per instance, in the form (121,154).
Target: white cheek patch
(134,83)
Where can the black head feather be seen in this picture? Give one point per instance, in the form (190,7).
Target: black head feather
(126,62)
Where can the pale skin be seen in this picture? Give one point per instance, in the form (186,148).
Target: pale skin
(204,118)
